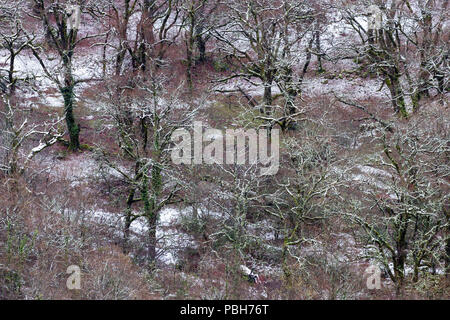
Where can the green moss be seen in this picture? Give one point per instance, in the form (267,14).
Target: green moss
(220,65)
(86,147)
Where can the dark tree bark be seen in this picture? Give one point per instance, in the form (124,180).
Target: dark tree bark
(65,41)
(72,125)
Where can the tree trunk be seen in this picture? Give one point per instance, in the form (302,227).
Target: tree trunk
(146,34)
(72,126)
(319,52)
(399,272)
(119,60)
(201,43)
(152,242)
(201,46)
(424,75)
(268,100)
(11,79)
(416,273)
(128,214)
(189,65)
(397,97)
(400,256)
(150,208)
(189,52)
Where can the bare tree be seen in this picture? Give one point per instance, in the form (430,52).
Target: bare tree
(403,210)
(13,39)
(16,130)
(264,39)
(197,15)
(157,27)
(396,35)
(305,193)
(145,118)
(62,22)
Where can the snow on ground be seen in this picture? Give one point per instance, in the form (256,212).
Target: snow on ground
(26,66)
(168,217)
(409,270)
(368,175)
(80,169)
(369,180)
(374,171)
(54,101)
(262,229)
(253,89)
(170,239)
(353,89)
(75,169)
(346,250)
